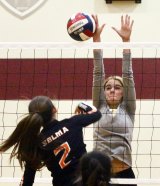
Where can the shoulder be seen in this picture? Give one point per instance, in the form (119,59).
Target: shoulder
(70,120)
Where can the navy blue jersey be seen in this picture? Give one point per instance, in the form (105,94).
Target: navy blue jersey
(61,146)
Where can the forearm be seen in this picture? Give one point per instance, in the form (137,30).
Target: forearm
(98,62)
(98,78)
(129,85)
(127,64)
(28,177)
(126,51)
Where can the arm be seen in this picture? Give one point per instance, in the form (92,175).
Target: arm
(98,79)
(129,97)
(86,119)
(28,176)
(98,70)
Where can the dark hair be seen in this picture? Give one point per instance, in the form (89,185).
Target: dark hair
(95,168)
(25,136)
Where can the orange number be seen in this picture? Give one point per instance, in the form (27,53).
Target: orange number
(65,146)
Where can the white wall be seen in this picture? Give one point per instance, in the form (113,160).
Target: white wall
(146,160)
(48,23)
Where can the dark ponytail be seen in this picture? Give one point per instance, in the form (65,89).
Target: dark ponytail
(25,136)
(95,169)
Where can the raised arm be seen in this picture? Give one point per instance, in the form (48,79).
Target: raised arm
(98,70)
(129,97)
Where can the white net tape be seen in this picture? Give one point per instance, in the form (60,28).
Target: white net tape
(78,45)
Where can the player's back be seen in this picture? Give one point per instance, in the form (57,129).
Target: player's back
(62,144)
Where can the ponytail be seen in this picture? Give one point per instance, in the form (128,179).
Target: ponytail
(25,140)
(25,137)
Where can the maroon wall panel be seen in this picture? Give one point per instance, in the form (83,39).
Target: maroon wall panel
(70,78)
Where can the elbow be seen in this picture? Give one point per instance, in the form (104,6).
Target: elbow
(99,114)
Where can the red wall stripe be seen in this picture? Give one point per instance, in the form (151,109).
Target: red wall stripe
(70,78)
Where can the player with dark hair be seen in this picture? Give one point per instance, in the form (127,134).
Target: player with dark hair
(40,140)
(95,169)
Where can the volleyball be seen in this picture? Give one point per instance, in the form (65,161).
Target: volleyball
(81,26)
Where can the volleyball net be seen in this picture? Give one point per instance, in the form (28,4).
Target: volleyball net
(63,71)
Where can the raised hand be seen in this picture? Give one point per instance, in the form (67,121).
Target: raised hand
(99,29)
(126,28)
(84,108)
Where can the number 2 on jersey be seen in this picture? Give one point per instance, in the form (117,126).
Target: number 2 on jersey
(64,146)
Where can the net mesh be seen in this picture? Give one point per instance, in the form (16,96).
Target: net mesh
(63,71)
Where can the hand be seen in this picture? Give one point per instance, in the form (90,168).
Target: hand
(99,29)
(85,108)
(79,111)
(126,28)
